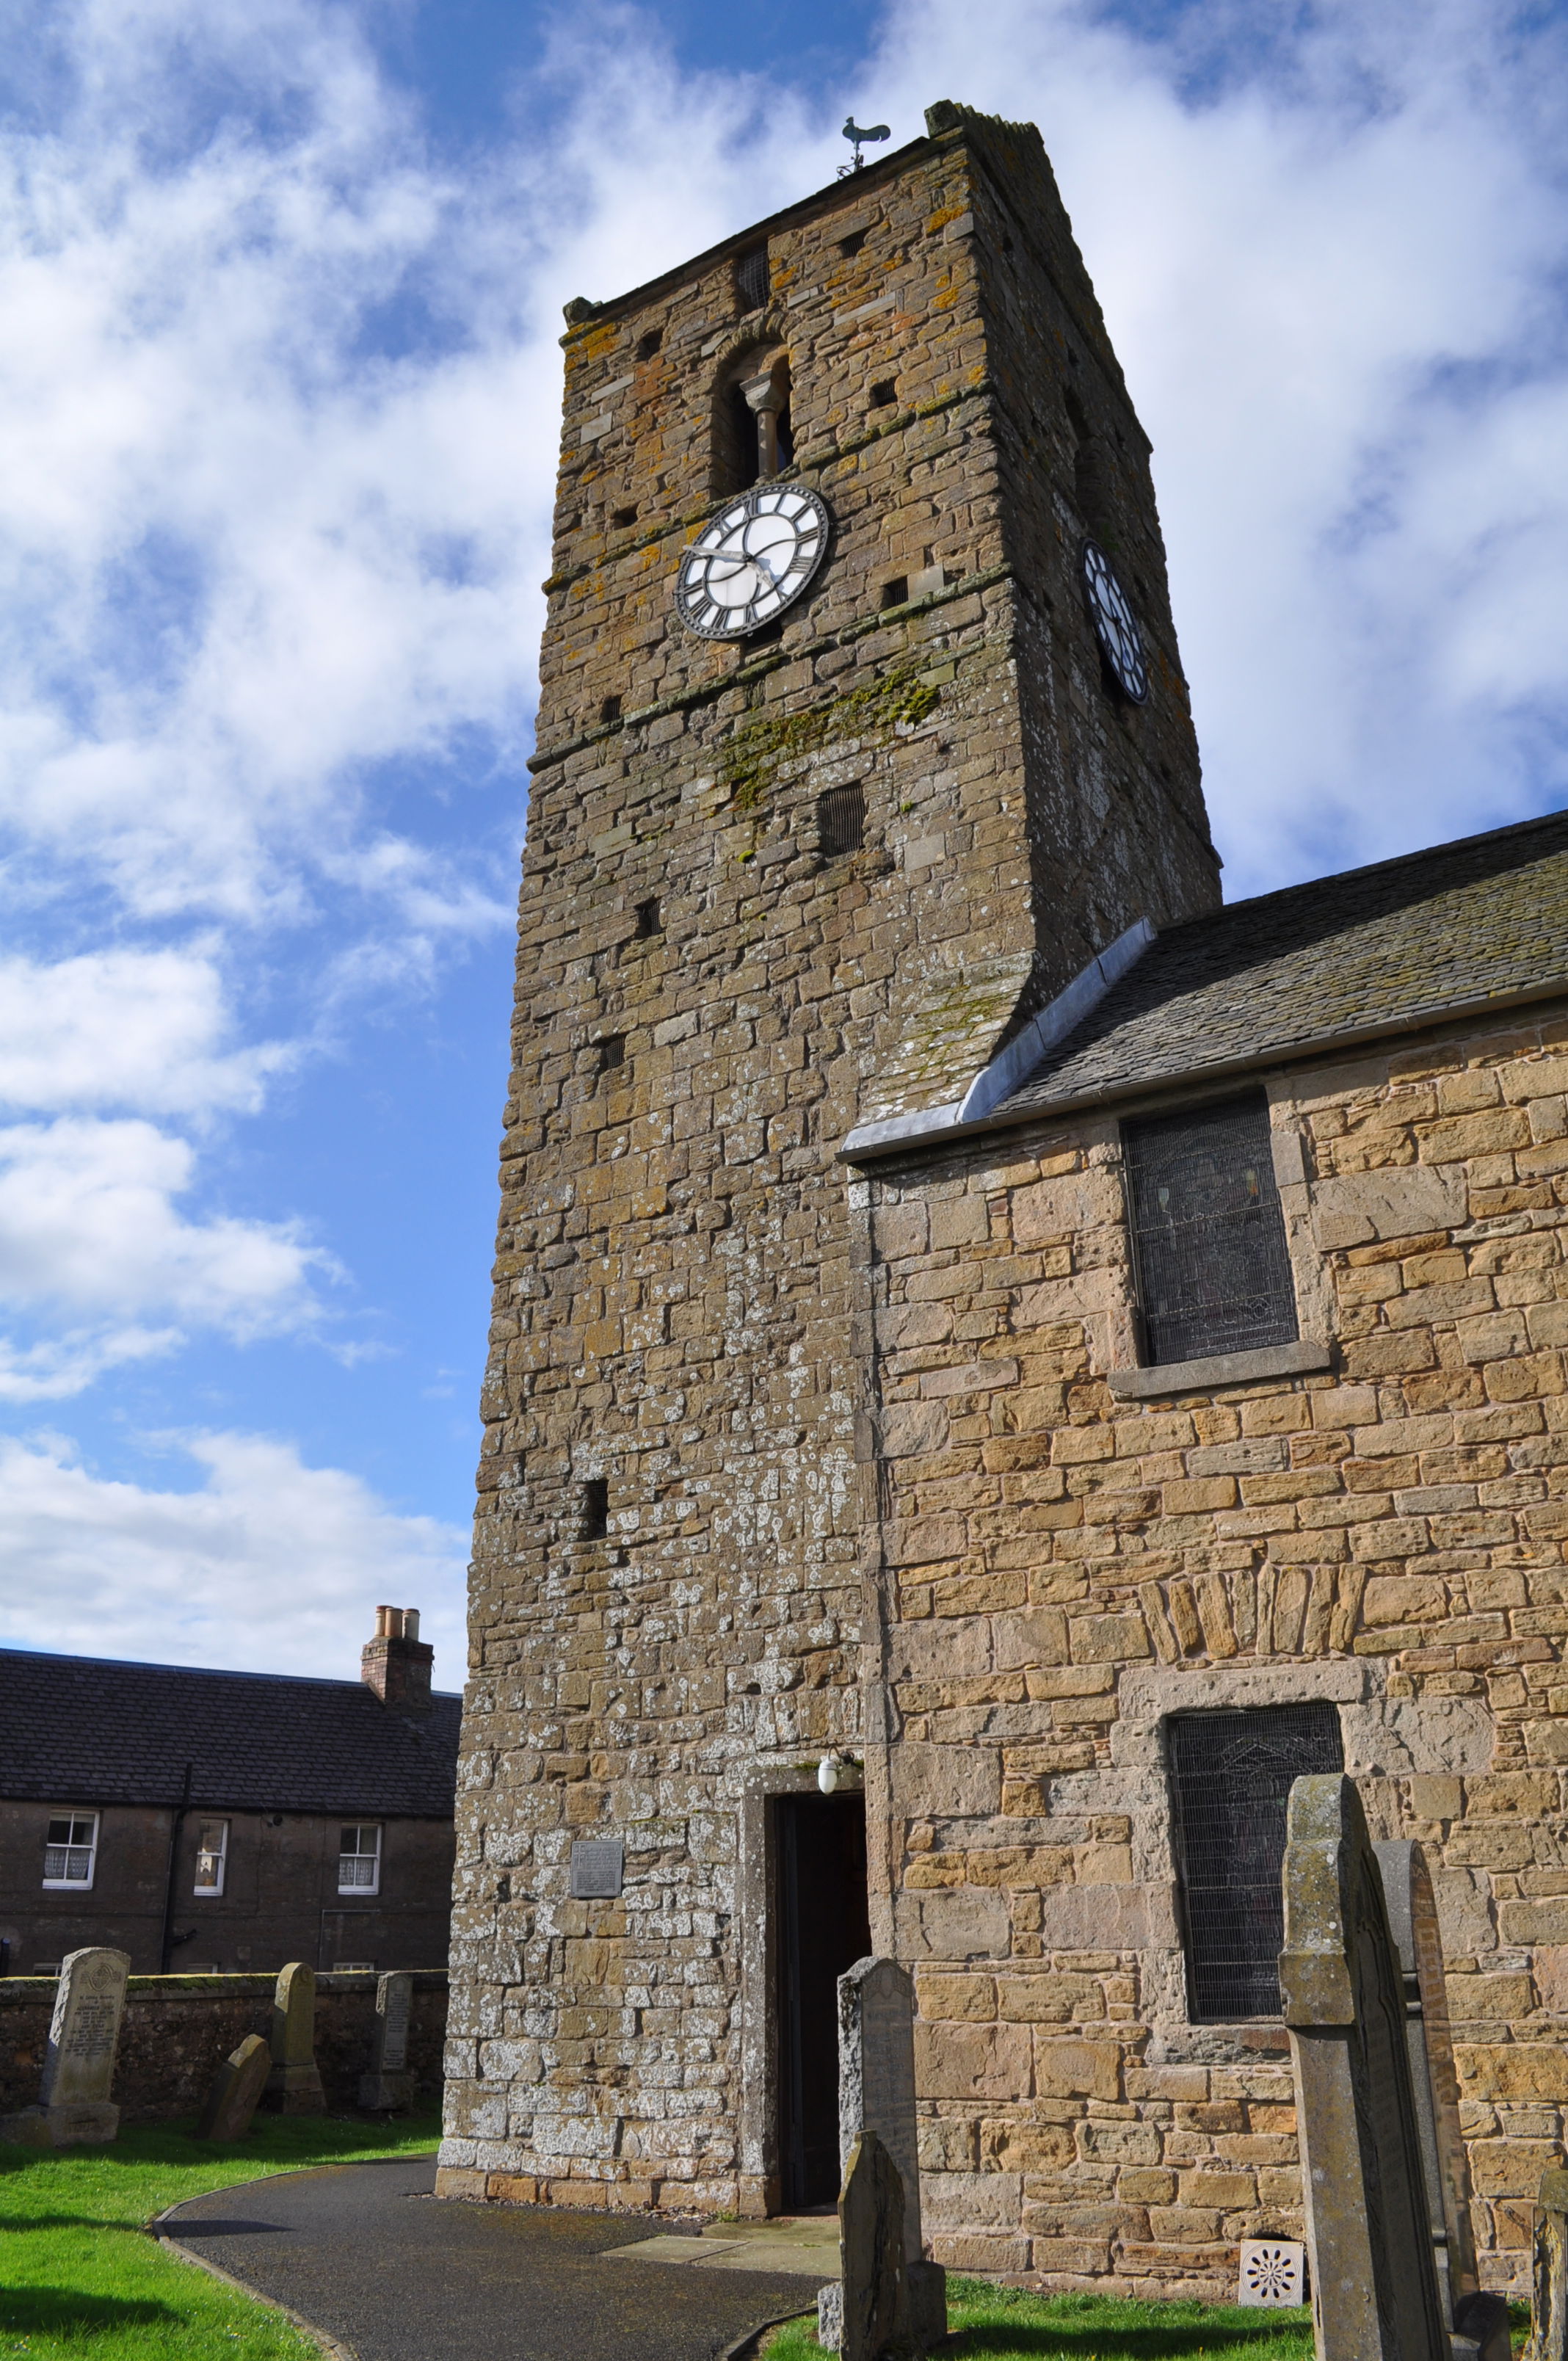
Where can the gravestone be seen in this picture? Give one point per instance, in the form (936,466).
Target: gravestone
(1375,2290)
(388,2084)
(79,2065)
(876,2094)
(1478,2324)
(237,2092)
(872,2245)
(294,2084)
(1548,2310)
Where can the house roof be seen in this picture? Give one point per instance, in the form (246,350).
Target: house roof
(80,1730)
(1382,949)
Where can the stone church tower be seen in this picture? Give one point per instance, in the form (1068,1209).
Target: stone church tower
(796,866)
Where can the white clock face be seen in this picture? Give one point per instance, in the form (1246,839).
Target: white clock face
(1115,625)
(752,560)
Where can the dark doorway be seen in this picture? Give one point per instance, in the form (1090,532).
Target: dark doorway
(820,1857)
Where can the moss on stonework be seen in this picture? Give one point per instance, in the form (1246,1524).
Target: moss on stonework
(756,746)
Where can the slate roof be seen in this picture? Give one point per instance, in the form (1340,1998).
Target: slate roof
(1368,952)
(79,1729)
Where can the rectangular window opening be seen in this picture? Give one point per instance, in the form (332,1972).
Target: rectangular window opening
(751,279)
(1209,1251)
(850,247)
(649,345)
(623,517)
(610,708)
(71,1850)
(649,921)
(595,1523)
(884,393)
(360,1858)
(895,592)
(612,1054)
(842,821)
(1231,1775)
(211,1856)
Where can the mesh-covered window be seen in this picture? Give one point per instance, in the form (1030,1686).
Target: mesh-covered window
(751,279)
(842,821)
(1230,1784)
(1213,1272)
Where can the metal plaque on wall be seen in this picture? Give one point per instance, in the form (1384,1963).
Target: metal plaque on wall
(598,1864)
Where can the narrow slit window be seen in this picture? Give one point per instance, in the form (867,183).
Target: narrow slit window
(842,821)
(610,708)
(71,1850)
(596,1508)
(649,345)
(751,281)
(211,1856)
(612,1054)
(1209,1249)
(1231,1775)
(649,921)
(360,1858)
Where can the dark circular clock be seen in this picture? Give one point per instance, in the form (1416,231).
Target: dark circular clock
(1115,625)
(752,561)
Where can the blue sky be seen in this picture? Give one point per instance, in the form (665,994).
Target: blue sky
(278,418)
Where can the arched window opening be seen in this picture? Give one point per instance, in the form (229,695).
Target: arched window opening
(752,437)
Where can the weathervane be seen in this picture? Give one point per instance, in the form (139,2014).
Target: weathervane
(853,131)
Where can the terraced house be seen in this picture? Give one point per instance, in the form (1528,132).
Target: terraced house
(1000,1362)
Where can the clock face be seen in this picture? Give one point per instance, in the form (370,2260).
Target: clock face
(1115,625)
(752,560)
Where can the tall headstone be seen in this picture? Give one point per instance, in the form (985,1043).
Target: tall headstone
(388,2084)
(1375,2290)
(876,2094)
(78,2066)
(237,2092)
(1549,2314)
(872,2242)
(294,2084)
(1478,2322)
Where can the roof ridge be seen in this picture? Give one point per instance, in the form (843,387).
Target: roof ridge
(195,1672)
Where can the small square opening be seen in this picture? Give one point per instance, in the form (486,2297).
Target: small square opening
(611,1052)
(610,708)
(649,345)
(884,393)
(649,921)
(621,518)
(897,592)
(850,246)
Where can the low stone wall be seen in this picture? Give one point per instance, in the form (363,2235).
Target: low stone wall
(177,2028)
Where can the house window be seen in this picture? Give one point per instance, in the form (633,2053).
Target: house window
(211,1857)
(70,1850)
(1209,1252)
(360,1858)
(1230,1784)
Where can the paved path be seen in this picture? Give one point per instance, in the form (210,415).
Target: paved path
(367,2253)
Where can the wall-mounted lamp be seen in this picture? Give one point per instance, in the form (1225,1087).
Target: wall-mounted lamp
(828,1774)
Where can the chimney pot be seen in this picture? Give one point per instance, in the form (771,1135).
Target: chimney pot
(396,1663)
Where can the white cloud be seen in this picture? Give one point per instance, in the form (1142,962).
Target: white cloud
(269,1566)
(132,1028)
(90,1230)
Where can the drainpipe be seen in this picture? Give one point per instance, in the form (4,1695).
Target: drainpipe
(167,1951)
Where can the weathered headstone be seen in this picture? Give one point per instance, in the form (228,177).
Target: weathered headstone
(78,2066)
(294,2084)
(237,2092)
(1478,2322)
(872,2245)
(388,2084)
(1549,2317)
(876,2094)
(1374,2291)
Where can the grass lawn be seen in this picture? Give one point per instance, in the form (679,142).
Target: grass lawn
(80,2279)
(998,2324)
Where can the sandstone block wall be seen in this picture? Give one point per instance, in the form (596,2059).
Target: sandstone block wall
(707,1001)
(1056,1571)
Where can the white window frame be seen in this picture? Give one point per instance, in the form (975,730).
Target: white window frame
(210,1890)
(353,1882)
(71,1845)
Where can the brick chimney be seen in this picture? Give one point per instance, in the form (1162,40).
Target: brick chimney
(396,1663)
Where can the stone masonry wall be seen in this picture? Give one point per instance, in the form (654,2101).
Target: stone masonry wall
(705,1001)
(1062,1569)
(177,2030)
